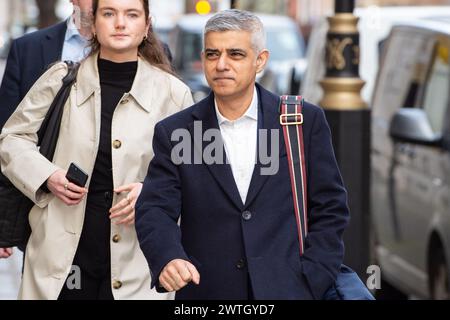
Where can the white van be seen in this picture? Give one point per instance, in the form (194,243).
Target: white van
(374,27)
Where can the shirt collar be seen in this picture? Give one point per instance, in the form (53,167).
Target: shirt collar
(252,111)
(72,30)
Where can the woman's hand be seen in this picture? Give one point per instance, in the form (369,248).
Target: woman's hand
(125,208)
(6,253)
(67,192)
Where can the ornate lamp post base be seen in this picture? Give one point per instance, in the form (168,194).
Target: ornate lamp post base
(349,120)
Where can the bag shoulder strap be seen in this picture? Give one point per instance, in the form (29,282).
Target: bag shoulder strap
(49,131)
(291,120)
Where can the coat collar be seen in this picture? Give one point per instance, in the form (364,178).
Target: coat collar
(269,119)
(88,82)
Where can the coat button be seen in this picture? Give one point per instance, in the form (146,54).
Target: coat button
(116,238)
(247,215)
(117,284)
(241,264)
(117,144)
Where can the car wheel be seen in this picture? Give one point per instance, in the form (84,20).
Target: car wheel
(440,289)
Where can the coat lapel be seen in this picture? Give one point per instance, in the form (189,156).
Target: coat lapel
(268,118)
(205,112)
(52,46)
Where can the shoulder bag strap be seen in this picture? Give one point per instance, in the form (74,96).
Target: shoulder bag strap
(291,120)
(49,131)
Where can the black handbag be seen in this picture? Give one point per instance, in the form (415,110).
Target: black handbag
(14,206)
(348,286)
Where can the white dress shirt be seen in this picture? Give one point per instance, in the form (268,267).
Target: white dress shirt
(75,47)
(240,139)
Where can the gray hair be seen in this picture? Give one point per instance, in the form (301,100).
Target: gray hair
(238,20)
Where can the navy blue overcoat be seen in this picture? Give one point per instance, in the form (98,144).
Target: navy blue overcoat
(235,246)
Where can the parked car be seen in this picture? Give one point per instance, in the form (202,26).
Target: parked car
(374,26)
(410,188)
(163,27)
(284,40)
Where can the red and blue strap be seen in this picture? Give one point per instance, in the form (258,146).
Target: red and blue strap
(291,120)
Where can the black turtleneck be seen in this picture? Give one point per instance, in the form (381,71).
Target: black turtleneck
(116,79)
(93,253)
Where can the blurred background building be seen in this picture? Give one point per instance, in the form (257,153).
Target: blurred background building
(21,16)
(40,13)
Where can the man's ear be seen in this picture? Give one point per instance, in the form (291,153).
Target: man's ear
(262,60)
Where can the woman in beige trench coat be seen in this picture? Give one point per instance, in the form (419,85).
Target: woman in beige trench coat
(122,90)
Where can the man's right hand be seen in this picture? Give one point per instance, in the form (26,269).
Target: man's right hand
(67,192)
(6,252)
(177,274)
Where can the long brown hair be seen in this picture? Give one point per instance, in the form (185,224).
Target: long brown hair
(150,49)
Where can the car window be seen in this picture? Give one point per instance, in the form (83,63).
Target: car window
(404,72)
(284,44)
(191,49)
(436,96)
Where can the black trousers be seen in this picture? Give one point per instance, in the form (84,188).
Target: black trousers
(91,288)
(92,262)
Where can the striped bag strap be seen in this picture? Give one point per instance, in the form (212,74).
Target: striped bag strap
(291,120)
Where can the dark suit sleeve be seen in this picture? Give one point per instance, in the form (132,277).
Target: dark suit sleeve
(10,88)
(328,211)
(158,209)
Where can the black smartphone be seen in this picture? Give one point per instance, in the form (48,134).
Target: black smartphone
(76,175)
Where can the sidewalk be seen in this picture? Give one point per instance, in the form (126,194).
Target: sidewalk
(10,273)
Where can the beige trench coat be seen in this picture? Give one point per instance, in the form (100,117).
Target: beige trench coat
(56,228)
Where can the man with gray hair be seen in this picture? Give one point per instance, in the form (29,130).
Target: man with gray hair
(237,238)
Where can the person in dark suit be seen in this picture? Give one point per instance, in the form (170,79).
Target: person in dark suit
(227,231)
(33,53)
